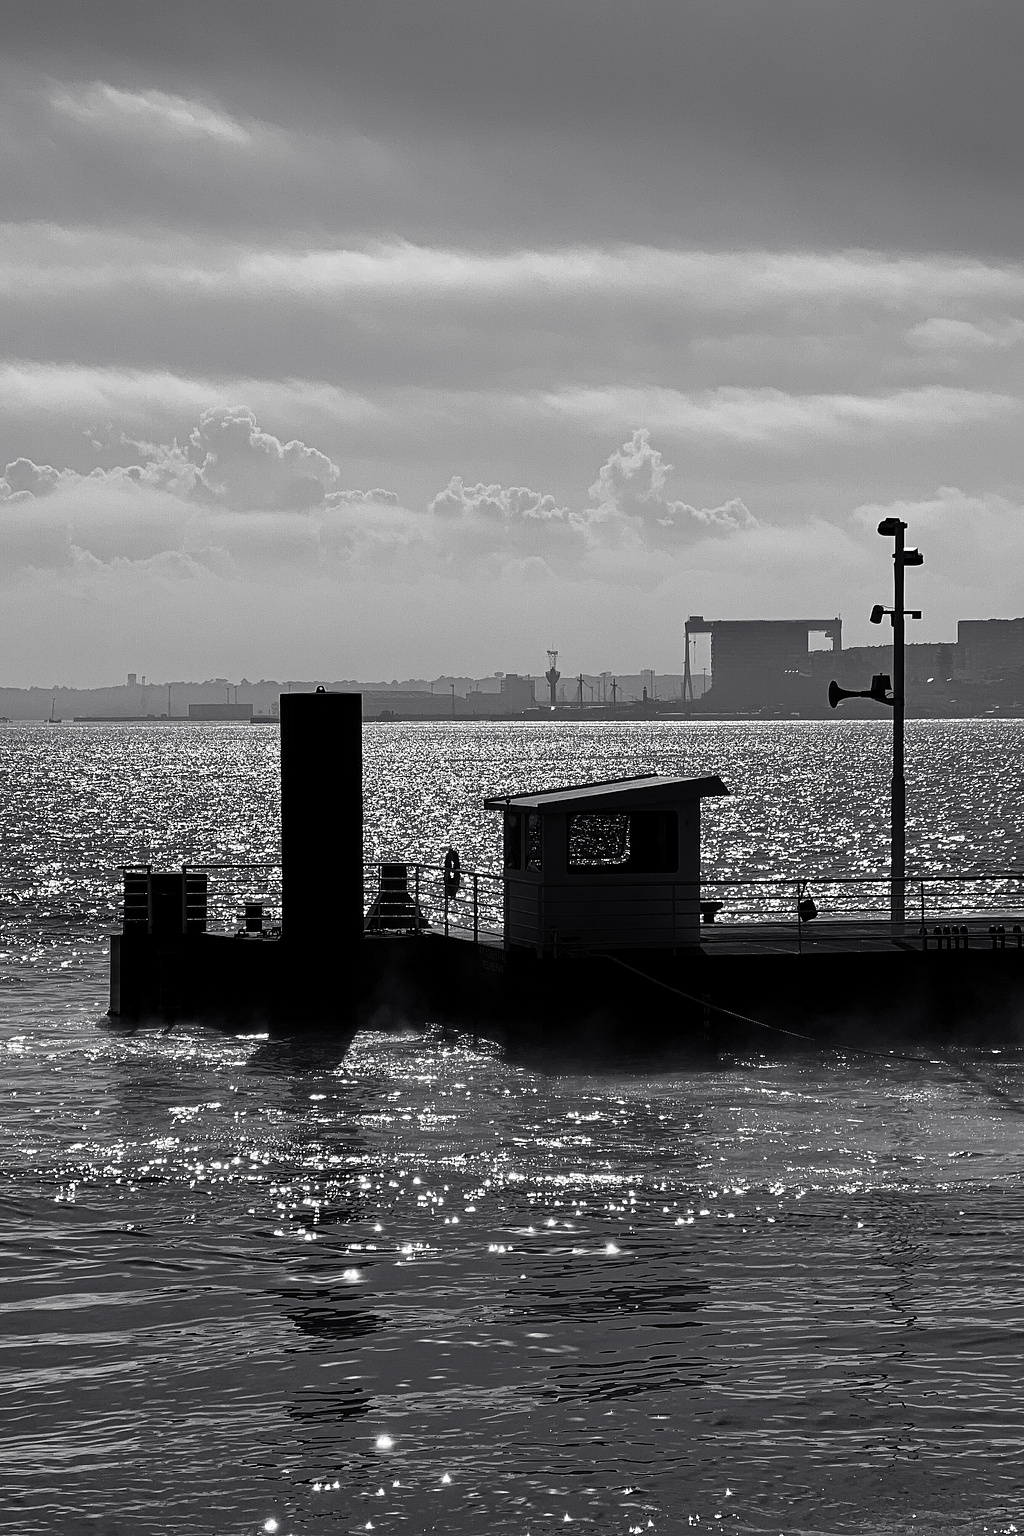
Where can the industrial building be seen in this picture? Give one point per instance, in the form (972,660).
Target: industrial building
(514,696)
(767,667)
(989,648)
(758,664)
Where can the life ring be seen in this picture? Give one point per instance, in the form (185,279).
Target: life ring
(452,873)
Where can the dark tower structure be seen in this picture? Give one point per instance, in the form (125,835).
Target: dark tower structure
(167,962)
(552,675)
(322,826)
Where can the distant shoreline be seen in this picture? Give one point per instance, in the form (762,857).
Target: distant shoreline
(596,716)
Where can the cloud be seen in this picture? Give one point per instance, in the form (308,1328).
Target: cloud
(446,357)
(453,281)
(631,484)
(235,497)
(796,127)
(140,399)
(973,548)
(226,461)
(711,281)
(23,478)
(511,529)
(104,108)
(776,418)
(492,501)
(941,334)
(241,466)
(363,498)
(230,498)
(246,517)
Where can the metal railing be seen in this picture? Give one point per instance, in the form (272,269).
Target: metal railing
(414,897)
(797,904)
(419,899)
(862,896)
(775,912)
(233,888)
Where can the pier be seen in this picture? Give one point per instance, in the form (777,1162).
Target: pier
(600,923)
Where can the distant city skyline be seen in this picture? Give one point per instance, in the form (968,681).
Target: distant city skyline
(393,336)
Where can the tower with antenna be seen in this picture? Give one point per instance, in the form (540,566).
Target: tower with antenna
(552,675)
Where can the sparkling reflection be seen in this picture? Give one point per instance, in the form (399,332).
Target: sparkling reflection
(427,1287)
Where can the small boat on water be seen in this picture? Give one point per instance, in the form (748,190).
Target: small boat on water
(53,718)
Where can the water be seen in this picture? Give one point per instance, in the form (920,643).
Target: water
(426,1288)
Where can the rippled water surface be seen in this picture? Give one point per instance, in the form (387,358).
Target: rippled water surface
(249,1286)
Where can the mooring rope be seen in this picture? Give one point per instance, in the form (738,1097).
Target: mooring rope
(704,1003)
(969,1074)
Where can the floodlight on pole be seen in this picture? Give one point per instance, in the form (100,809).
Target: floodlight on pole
(894,695)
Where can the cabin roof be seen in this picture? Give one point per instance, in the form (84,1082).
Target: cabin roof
(640,790)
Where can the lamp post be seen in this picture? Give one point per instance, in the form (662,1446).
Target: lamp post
(893,693)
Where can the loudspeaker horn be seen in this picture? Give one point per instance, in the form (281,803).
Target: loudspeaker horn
(881,683)
(835,693)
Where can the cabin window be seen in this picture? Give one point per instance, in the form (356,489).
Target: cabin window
(513,840)
(641,843)
(654,842)
(598,840)
(533,841)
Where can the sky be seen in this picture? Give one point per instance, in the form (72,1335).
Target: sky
(417,336)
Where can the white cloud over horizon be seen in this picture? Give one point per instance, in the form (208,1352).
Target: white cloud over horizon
(233,521)
(233,497)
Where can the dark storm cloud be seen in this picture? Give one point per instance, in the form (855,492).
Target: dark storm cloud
(800,120)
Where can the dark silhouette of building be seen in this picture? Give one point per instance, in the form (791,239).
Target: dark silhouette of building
(514,697)
(989,648)
(517,693)
(758,664)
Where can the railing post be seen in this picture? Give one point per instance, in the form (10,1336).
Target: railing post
(416,887)
(799,924)
(445,888)
(476,908)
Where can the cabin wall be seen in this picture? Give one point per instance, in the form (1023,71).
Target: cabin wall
(600,908)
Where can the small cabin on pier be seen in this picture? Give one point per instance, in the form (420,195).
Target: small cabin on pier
(613,865)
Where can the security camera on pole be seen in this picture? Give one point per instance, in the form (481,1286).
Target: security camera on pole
(892,692)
